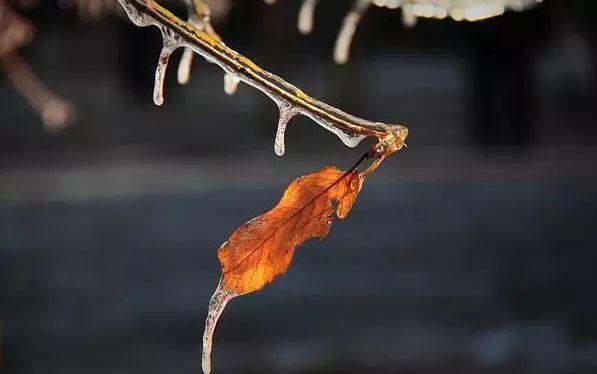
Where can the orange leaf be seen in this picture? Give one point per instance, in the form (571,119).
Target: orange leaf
(262,249)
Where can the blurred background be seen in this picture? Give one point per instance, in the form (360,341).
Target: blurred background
(472,251)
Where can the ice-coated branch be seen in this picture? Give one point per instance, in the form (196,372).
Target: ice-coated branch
(291,100)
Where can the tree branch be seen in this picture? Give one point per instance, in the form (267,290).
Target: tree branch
(290,99)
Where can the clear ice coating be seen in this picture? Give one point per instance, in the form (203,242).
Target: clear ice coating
(217,303)
(286,114)
(306,15)
(349,139)
(230,83)
(136,17)
(172,41)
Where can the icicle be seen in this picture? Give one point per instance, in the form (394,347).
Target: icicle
(184,67)
(217,303)
(160,75)
(409,18)
(230,83)
(349,26)
(169,46)
(305,20)
(170,43)
(286,114)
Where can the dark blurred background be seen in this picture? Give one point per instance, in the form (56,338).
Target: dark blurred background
(473,251)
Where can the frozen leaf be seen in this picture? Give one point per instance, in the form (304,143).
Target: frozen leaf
(262,249)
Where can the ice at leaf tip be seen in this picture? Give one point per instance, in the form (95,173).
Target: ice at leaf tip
(217,303)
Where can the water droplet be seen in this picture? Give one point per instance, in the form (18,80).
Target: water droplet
(217,303)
